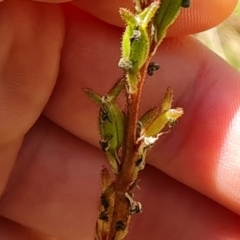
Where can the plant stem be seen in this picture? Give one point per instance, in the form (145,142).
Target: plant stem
(124,144)
(127,174)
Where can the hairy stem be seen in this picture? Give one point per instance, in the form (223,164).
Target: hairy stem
(126,139)
(127,176)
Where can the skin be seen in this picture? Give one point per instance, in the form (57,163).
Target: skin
(50,162)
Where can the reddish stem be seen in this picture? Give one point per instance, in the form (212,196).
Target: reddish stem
(126,176)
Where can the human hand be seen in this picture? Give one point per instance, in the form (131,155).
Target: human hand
(55,170)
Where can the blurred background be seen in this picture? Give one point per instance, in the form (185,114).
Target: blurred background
(225,39)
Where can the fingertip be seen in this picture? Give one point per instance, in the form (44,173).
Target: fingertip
(52,1)
(30,57)
(200,16)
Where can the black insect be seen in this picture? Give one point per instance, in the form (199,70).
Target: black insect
(152,67)
(172,123)
(186,3)
(104,202)
(139,129)
(104,145)
(103,216)
(138,162)
(104,115)
(120,225)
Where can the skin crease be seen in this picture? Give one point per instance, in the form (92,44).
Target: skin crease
(55,182)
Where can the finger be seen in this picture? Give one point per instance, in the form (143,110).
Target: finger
(13,231)
(30,53)
(8,155)
(60,177)
(55,188)
(174,211)
(201,15)
(202,151)
(52,1)
(29,57)
(209,90)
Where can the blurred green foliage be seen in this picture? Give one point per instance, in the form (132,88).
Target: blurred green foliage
(225,39)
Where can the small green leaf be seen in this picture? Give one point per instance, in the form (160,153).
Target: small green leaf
(93,96)
(167,100)
(136,43)
(111,127)
(165,16)
(151,114)
(116,90)
(155,120)
(147,14)
(111,122)
(131,23)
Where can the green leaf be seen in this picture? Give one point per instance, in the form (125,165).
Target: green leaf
(155,120)
(110,122)
(165,16)
(136,43)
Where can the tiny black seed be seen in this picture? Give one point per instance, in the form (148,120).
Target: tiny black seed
(104,202)
(103,216)
(152,67)
(138,162)
(120,226)
(186,3)
(104,145)
(104,115)
(139,129)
